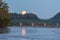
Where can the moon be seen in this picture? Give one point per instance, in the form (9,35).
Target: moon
(23,12)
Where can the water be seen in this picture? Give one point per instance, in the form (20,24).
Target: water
(31,33)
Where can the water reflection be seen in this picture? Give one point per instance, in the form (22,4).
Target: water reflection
(29,33)
(4,30)
(3,33)
(23,33)
(23,39)
(3,37)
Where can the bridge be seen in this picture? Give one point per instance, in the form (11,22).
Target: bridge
(39,24)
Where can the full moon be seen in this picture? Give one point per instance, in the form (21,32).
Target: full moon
(23,12)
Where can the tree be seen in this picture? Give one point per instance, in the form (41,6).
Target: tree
(4,15)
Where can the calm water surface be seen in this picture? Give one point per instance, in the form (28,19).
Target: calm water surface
(30,33)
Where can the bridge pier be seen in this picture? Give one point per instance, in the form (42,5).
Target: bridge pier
(21,24)
(32,24)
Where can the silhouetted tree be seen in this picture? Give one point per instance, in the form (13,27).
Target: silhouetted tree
(4,16)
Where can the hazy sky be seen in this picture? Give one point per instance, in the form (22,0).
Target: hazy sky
(42,8)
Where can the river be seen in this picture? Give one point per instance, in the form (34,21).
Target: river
(31,33)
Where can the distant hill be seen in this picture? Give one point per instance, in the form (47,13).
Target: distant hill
(20,16)
(54,20)
(29,18)
(56,17)
(26,19)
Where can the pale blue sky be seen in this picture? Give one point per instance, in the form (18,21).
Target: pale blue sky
(44,9)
